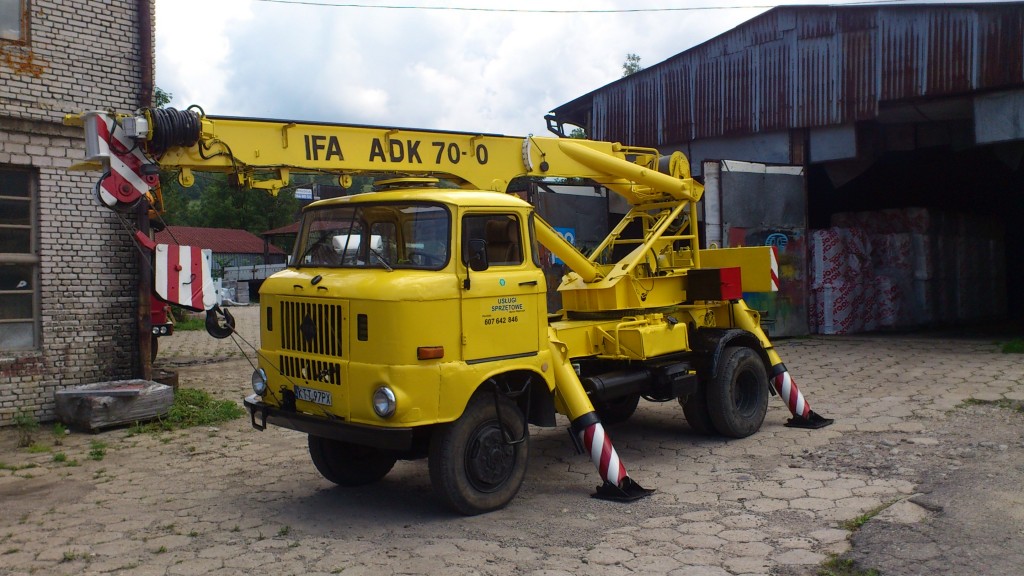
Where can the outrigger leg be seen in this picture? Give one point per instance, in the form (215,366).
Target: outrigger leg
(589,435)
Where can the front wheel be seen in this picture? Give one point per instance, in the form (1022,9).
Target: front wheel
(348,464)
(738,394)
(473,467)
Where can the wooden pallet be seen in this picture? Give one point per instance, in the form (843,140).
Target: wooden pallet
(106,404)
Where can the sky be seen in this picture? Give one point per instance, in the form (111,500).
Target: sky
(444,69)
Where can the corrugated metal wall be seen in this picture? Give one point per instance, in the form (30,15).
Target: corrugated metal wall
(801,67)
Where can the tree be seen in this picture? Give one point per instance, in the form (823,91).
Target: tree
(578,133)
(631,65)
(161,98)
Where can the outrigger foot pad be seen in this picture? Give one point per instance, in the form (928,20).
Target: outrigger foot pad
(812,422)
(628,492)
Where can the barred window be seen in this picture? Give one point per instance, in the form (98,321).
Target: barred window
(14,20)
(19,261)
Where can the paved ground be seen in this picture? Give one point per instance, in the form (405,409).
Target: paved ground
(230,500)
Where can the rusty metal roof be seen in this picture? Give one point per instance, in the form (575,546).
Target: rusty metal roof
(809,66)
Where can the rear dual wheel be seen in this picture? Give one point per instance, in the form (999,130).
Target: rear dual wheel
(733,403)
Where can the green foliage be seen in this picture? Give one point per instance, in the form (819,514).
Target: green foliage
(578,133)
(836,566)
(59,432)
(631,65)
(193,407)
(97,450)
(183,321)
(161,97)
(37,448)
(16,467)
(27,425)
(854,524)
(213,203)
(1015,346)
(1004,403)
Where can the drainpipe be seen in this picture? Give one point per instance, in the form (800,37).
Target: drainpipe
(144,10)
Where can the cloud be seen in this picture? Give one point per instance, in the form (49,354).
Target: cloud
(446,70)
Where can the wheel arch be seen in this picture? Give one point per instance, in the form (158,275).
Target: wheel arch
(709,343)
(528,389)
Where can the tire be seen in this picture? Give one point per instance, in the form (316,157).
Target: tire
(618,410)
(154,346)
(349,464)
(738,395)
(471,467)
(695,408)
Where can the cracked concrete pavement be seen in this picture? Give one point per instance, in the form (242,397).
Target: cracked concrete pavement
(230,500)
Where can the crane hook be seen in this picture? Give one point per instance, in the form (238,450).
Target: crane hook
(219,323)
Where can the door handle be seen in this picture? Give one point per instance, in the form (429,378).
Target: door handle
(528,283)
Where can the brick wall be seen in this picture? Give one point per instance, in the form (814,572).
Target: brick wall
(81,55)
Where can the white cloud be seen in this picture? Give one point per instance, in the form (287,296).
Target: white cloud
(449,70)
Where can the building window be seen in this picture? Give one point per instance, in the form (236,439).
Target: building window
(19,261)
(14,20)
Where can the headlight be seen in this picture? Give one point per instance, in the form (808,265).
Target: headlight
(259,382)
(384,402)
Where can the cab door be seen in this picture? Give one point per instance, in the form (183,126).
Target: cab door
(502,305)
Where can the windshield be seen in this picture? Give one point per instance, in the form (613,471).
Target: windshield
(387,235)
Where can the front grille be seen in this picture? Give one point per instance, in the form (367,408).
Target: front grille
(307,369)
(311,328)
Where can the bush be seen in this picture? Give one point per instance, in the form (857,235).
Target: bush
(27,426)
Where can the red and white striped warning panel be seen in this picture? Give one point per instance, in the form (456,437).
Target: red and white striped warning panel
(126,182)
(775,268)
(182,275)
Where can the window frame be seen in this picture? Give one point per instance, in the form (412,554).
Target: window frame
(29,258)
(24,24)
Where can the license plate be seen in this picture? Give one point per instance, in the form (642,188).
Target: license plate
(313,395)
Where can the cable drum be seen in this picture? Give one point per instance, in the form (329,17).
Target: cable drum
(172,127)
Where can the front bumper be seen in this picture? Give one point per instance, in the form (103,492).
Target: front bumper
(260,414)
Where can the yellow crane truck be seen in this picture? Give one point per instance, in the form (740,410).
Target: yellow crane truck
(411,321)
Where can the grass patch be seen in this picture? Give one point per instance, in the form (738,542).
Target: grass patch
(16,467)
(185,320)
(836,566)
(193,407)
(1003,403)
(855,524)
(59,432)
(37,448)
(27,426)
(97,450)
(1015,346)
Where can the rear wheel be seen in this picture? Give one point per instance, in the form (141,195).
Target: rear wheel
(738,395)
(472,466)
(348,464)
(695,408)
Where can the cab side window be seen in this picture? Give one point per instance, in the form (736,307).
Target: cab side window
(500,232)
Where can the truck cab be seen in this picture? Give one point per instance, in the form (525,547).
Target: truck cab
(399,307)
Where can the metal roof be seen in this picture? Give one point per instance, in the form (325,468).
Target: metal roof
(220,240)
(809,66)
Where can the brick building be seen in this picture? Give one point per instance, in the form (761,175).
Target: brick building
(68,270)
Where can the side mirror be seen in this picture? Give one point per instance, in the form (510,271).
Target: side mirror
(478,255)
